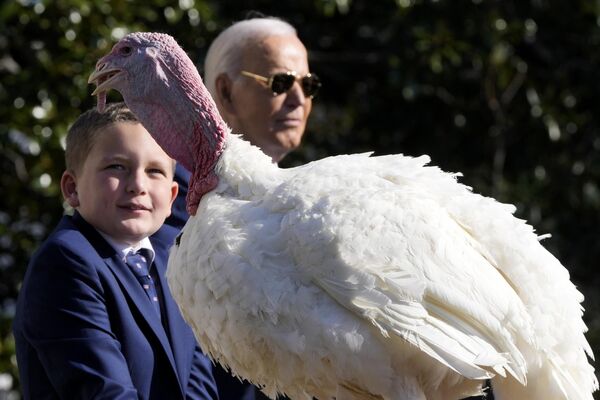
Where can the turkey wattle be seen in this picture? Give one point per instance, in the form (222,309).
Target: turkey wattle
(352,277)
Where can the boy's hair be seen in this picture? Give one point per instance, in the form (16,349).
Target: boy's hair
(85,130)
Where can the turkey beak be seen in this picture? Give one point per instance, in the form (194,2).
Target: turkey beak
(104,78)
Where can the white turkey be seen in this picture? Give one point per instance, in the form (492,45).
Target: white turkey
(353,277)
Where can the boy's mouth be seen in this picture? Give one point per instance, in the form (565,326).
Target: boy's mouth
(134,207)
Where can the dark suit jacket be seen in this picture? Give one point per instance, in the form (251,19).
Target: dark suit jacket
(229,388)
(85,329)
(179,215)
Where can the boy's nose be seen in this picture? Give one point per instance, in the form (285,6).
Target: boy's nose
(137,182)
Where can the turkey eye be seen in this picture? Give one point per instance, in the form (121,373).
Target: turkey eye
(125,50)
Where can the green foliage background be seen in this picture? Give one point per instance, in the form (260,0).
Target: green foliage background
(506,92)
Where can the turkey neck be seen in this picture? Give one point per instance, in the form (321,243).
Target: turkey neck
(208,140)
(184,120)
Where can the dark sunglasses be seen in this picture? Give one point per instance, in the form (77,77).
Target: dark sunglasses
(283,81)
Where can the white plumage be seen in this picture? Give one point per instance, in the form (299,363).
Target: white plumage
(353,277)
(349,277)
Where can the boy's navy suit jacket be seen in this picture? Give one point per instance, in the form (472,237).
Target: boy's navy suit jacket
(84,327)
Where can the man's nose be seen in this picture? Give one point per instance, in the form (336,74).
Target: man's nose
(295,96)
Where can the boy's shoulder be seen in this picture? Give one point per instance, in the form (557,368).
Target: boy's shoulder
(71,232)
(66,259)
(74,245)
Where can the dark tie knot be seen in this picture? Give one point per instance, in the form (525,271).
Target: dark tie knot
(139,262)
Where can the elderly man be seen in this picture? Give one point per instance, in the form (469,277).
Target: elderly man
(257,72)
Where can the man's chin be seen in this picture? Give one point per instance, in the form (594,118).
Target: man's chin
(279,143)
(289,139)
(279,150)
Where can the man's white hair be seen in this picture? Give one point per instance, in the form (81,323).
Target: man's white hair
(226,51)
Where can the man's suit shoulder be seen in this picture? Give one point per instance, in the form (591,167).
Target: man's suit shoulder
(164,237)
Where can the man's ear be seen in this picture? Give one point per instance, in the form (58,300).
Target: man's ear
(224,85)
(68,186)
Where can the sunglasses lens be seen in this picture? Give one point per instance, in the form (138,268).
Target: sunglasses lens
(311,85)
(281,83)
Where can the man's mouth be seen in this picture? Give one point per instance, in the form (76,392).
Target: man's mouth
(291,121)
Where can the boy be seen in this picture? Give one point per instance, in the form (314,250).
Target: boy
(94,319)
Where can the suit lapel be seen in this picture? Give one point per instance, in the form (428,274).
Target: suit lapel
(139,299)
(131,287)
(182,339)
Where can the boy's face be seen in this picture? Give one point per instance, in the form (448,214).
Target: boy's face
(125,187)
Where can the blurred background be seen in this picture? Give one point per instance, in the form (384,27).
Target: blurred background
(506,92)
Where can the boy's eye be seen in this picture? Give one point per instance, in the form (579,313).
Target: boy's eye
(156,171)
(115,166)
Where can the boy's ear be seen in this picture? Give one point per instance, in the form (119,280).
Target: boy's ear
(68,186)
(174,191)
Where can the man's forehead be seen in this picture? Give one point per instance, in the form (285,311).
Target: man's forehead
(275,51)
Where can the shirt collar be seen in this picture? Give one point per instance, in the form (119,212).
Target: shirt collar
(123,249)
